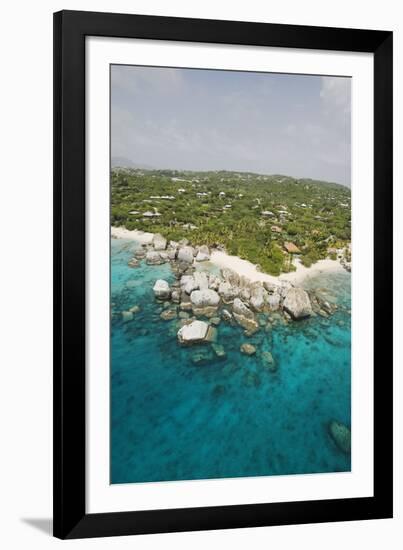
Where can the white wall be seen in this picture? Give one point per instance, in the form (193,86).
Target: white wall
(25,290)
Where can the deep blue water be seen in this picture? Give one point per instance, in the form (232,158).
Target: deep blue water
(174,420)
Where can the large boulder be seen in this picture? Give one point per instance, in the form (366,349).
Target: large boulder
(273,301)
(194,332)
(231,276)
(228,292)
(171,253)
(214,282)
(341,435)
(162,290)
(242,309)
(284,288)
(203,254)
(258,297)
(271,287)
(244,316)
(185,254)
(297,303)
(245,294)
(205,302)
(159,242)
(154,258)
(188,284)
(205,297)
(201,280)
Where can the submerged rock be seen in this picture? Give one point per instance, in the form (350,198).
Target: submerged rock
(161,290)
(201,357)
(168,314)
(297,303)
(127,316)
(219,350)
(215,321)
(154,258)
(211,335)
(251,379)
(226,315)
(268,361)
(248,349)
(134,262)
(194,332)
(140,254)
(184,315)
(341,435)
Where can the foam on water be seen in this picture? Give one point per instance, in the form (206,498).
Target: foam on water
(172,419)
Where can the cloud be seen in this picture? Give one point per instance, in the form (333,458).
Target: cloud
(335,94)
(211,120)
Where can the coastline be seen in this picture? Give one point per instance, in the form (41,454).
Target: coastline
(135,235)
(248,270)
(242,267)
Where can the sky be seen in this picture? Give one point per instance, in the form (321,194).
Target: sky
(198,119)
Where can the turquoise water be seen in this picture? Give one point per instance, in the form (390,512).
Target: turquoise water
(172,419)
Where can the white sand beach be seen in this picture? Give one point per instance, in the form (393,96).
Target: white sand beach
(243,267)
(139,236)
(248,270)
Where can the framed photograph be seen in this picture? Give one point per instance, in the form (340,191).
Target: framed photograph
(223,274)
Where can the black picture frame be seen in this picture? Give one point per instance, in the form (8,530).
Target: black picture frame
(70,517)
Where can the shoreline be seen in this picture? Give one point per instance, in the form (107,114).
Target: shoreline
(243,267)
(249,271)
(140,236)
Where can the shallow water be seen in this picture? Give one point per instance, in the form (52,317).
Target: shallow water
(172,419)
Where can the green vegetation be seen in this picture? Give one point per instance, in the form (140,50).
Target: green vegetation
(249,215)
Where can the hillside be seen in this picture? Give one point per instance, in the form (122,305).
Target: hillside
(264,219)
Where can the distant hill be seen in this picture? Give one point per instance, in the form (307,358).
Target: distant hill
(123,162)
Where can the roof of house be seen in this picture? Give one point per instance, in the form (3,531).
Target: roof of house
(292,248)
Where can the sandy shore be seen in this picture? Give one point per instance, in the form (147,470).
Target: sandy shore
(139,236)
(248,270)
(244,267)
